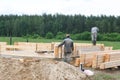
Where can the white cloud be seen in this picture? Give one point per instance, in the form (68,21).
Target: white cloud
(84,7)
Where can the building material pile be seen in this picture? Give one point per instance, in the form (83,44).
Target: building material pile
(37,69)
(98,56)
(101,59)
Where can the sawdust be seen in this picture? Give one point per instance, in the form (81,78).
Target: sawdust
(34,69)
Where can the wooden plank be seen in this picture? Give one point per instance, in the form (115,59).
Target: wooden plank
(44,46)
(106,58)
(2,46)
(75,52)
(3,43)
(26,45)
(114,56)
(56,52)
(77,62)
(12,47)
(52,46)
(89,62)
(108,48)
(86,59)
(82,58)
(60,52)
(87,49)
(110,64)
(97,60)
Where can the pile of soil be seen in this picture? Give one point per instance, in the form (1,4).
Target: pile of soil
(42,69)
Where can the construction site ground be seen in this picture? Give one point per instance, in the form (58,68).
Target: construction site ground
(37,69)
(49,69)
(27,64)
(107,74)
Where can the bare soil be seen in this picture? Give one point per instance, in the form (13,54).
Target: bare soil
(37,69)
(49,69)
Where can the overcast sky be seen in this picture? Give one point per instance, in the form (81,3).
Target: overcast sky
(67,7)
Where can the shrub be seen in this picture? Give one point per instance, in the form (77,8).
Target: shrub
(35,36)
(60,35)
(76,36)
(49,35)
(86,36)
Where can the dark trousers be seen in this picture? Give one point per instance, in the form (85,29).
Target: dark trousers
(67,57)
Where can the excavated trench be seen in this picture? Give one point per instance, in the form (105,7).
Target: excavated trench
(37,69)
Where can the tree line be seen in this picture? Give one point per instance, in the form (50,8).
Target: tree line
(46,24)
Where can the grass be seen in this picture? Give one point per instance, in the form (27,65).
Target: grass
(115,45)
(20,39)
(106,75)
(103,76)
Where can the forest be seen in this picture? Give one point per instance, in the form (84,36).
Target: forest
(47,24)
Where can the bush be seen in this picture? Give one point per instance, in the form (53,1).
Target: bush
(86,36)
(99,37)
(76,37)
(110,37)
(60,35)
(118,38)
(35,36)
(49,35)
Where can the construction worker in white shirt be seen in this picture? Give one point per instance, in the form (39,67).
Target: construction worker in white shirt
(94,31)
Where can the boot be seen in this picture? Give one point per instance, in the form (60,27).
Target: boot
(94,42)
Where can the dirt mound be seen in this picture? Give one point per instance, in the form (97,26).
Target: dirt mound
(43,69)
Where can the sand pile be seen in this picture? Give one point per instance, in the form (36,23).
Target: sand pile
(42,69)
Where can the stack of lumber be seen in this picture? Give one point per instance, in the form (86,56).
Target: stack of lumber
(108,48)
(113,60)
(12,47)
(105,56)
(2,46)
(35,46)
(44,46)
(82,47)
(26,45)
(100,59)
(78,49)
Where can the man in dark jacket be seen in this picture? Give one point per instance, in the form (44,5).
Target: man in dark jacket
(68,48)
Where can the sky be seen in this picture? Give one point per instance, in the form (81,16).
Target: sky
(66,7)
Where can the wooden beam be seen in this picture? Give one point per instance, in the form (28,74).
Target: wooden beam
(77,62)
(110,64)
(97,60)
(56,52)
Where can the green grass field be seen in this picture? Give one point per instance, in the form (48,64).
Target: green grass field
(115,45)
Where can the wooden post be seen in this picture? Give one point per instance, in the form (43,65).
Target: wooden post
(77,62)
(75,53)
(95,61)
(82,58)
(36,46)
(0,49)
(56,52)
(52,46)
(10,40)
(106,57)
(60,51)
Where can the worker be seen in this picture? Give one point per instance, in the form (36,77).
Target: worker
(94,31)
(68,48)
